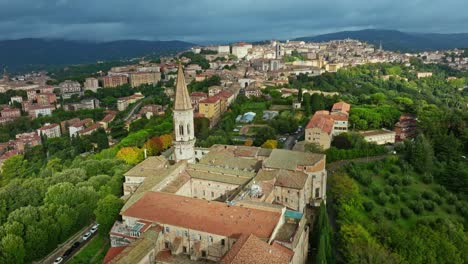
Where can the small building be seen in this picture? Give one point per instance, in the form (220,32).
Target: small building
(424,74)
(91,84)
(36,110)
(140,78)
(124,102)
(379,137)
(49,130)
(10,112)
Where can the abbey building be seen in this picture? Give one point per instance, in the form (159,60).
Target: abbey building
(224,204)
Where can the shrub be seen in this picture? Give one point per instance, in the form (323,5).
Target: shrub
(394,199)
(428,178)
(429,205)
(406,181)
(441,191)
(376,190)
(436,198)
(396,189)
(451,198)
(368,205)
(427,195)
(404,197)
(449,209)
(463,211)
(395,169)
(376,216)
(388,190)
(382,198)
(394,180)
(417,207)
(391,214)
(405,212)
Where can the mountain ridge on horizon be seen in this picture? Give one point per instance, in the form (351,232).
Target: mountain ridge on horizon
(30,53)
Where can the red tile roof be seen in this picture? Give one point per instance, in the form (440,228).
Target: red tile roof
(211,217)
(251,249)
(341,107)
(112,253)
(323,122)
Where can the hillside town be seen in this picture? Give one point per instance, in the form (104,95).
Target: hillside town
(242,68)
(225,150)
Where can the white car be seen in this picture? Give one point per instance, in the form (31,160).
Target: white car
(86,236)
(94,229)
(58,260)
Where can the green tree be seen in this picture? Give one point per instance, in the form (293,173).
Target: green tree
(107,211)
(12,249)
(14,167)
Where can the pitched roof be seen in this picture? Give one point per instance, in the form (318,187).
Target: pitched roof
(251,249)
(148,167)
(182,97)
(291,179)
(225,220)
(290,160)
(341,107)
(323,122)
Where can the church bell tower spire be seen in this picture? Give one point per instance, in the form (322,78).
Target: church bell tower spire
(184,140)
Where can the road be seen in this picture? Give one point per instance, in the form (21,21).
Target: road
(58,252)
(135,107)
(291,140)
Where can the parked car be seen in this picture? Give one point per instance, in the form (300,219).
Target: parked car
(76,245)
(68,252)
(94,229)
(86,236)
(58,260)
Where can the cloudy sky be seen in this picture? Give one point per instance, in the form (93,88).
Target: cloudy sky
(222,20)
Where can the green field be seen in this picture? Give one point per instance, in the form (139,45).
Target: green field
(93,252)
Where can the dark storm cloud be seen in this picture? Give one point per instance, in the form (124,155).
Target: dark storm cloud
(204,20)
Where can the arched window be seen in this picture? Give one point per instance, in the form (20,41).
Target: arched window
(181,130)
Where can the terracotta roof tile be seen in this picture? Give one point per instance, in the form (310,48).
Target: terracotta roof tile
(230,221)
(251,249)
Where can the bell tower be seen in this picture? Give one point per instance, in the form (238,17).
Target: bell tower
(184,140)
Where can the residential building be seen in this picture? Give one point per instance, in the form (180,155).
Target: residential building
(16,99)
(74,128)
(91,84)
(423,74)
(10,112)
(224,49)
(214,90)
(46,98)
(240,50)
(107,119)
(49,130)
(114,81)
(406,127)
(152,110)
(36,110)
(140,78)
(324,125)
(124,102)
(69,88)
(196,97)
(211,108)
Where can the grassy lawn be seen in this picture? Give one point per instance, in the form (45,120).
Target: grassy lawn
(253,106)
(93,252)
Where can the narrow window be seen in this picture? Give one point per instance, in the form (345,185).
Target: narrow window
(181,130)
(317,192)
(223,242)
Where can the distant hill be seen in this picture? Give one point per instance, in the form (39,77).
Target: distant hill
(34,53)
(397,40)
